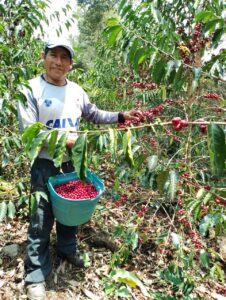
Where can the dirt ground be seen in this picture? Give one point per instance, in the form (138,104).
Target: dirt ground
(67,282)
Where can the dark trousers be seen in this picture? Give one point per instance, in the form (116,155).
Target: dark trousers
(38,262)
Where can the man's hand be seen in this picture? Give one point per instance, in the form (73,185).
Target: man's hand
(132,114)
(70,143)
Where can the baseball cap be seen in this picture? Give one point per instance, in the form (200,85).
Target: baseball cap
(60,43)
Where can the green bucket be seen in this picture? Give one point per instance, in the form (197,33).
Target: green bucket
(73,212)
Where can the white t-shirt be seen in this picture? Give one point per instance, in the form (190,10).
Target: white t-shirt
(59,107)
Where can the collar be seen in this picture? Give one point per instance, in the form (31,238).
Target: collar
(42,76)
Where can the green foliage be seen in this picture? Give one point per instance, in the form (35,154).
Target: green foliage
(204,259)
(213,220)
(147,43)
(37,145)
(152,163)
(217,149)
(34,201)
(123,276)
(172,185)
(18,63)
(52,142)
(159,47)
(113,135)
(30,133)
(60,149)
(79,156)
(178,279)
(130,238)
(7,210)
(127,148)
(11,210)
(90,26)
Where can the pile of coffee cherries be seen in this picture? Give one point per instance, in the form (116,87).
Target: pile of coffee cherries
(76,190)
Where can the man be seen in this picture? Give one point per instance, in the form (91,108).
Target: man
(59,103)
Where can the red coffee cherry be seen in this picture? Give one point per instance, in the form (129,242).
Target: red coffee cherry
(76,190)
(176,121)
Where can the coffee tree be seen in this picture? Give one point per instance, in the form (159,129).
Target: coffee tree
(17,25)
(21,43)
(160,57)
(163,48)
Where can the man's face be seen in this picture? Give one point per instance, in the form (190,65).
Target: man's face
(57,63)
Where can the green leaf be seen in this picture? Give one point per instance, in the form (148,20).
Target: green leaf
(2,9)
(102,142)
(196,76)
(173,276)
(37,145)
(204,258)
(52,142)
(163,93)
(113,142)
(217,272)
(163,296)
(127,148)
(178,79)
(33,204)
(156,14)
(195,208)
(11,210)
(120,275)
(207,198)
(127,10)
(212,25)
(204,16)
(79,156)
(158,71)
(209,221)
(86,259)
(217,36)
(172,189)
(210,64)
(123,292)
(216,148)
(3,210)
(121,5)
(161,180)
(34,200)
(139,160)
(169,68)
(201,194)
(112,22)
(60,150)
(109,288)
(30,133)
(39,195)
(152,163)
(133,49)
(112,33)
(140,56)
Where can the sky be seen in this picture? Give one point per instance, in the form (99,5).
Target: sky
(51,29)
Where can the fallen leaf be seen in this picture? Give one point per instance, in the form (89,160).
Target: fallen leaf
(217,296)
(90,295)
(2,282)
(222,245)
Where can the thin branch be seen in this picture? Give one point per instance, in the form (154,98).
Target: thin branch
(102,130)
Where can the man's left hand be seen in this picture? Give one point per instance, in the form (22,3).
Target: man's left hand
(70,143)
